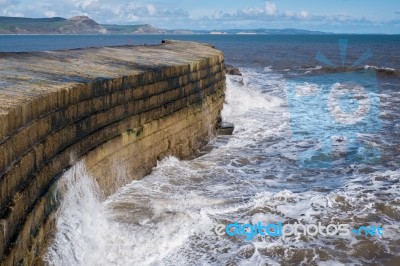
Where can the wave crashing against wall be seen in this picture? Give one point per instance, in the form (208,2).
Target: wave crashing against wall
(113,107)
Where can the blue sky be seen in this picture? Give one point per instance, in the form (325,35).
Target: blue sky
(348,16)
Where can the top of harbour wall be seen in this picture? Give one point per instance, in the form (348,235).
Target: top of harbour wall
(33,83)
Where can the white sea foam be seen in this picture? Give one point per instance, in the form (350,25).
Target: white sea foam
(83,231)
(379,68)
(164,218)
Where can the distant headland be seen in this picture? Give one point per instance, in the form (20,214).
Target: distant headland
(86,25)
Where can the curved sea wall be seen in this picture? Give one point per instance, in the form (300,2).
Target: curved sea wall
(110,107)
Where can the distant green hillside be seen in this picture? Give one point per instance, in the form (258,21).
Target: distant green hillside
(56,25)
(122,29)
(11,24)
(75,25)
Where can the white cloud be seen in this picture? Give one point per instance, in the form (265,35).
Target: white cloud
(138,12)
(252,11)
(50,14)
(10,13)
(289,13)
(218,14)
(9,8)
(132,18)
(151,9)
(270,8)
(83,3)
(303,14)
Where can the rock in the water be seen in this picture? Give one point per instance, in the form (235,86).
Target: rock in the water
(226,128)
(231,70)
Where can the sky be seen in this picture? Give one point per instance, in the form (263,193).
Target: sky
(339,16)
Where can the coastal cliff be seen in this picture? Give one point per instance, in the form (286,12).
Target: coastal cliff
(108,107)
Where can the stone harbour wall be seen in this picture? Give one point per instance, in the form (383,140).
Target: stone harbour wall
(111,107)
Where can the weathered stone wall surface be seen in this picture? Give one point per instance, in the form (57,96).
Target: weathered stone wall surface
(111,107)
